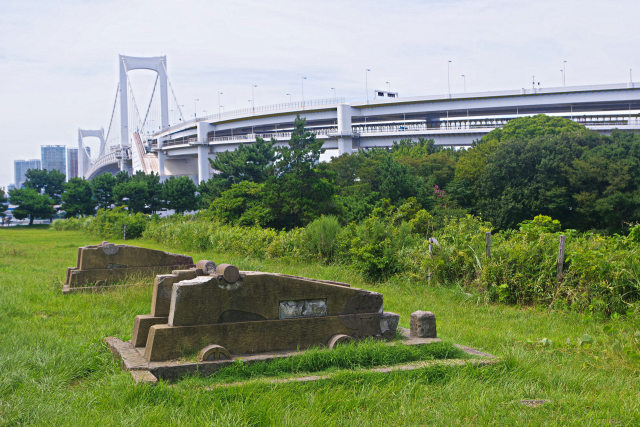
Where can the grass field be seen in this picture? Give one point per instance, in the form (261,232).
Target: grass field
(55,368)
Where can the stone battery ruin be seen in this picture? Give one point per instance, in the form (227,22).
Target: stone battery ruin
(252,312)
(206,317)
(109,263)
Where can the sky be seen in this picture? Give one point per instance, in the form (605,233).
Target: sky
(59,59)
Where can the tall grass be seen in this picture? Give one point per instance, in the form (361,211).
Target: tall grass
(601,274)
(56,370)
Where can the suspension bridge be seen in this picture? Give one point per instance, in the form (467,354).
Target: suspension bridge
(149,142)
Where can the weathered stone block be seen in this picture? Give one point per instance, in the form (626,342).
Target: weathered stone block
(110,263)
(423,324)
(389,324)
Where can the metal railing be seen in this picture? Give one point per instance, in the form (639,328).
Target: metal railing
(252,111)
(322,133)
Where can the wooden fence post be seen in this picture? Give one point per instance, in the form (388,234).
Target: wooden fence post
(124,232)
(560,264)
(488,244)
(430,256)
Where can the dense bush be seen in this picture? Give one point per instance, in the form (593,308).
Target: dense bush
(601,274)
(374,246)
(110,224)
(321,237)
(76,224)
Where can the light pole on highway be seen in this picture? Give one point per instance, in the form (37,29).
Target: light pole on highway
(219,106)
(464,83)
(366,83)
(564,72)
(289,95)
(195,107)
(334,93)
(253,98)
(449,77)
(302,85)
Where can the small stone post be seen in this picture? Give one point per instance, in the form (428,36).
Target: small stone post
(423,324)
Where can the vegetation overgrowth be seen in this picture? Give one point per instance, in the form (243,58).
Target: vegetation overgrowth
(416,210)
(600,275)
(56,369)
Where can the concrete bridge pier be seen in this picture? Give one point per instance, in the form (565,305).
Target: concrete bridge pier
(345,135)
(203,129)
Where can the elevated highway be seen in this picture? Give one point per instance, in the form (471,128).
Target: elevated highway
(451,120)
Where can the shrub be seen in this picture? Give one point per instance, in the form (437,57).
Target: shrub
(457,251)
(603,274)
(375,246)
(76,224)
(522,269)
(320,237)
(110,223)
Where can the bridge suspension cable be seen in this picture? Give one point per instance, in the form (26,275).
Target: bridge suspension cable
(113,112)
(153,92)
(172,92)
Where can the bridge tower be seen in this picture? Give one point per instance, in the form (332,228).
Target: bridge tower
(159,65)
(84,160)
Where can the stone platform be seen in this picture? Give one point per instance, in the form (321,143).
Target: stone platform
(141,370)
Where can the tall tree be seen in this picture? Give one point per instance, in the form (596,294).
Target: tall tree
(298,192)
(133,194)
(102,187)
(31,204)
(77,198)
(3,203)
(141,192)
(51,182)
(251,162)
(180,194)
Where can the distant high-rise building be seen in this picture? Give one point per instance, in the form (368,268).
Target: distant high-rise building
(72,163)
(20,168)
(54,157)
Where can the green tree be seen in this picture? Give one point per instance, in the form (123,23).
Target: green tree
(50,182)
(211,189)
(102,188)
(122,176)
(3,203)
(133,194)
(524,170)
(179,194)
(250,162)
(141,192)
(605,184)
(77,198)
(242,204)
(298,192)
(31,204)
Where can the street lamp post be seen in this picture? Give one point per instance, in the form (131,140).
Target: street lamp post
(195,107)
(219,106)
(302,85)
(253,98)
(449,78)
(388,86)
(366,83)
(562,75)
(464,83)
(564,72)
(334,93)
(289,95)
